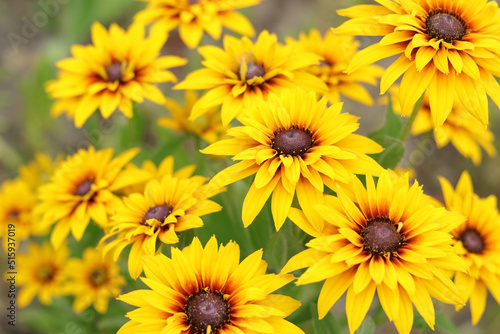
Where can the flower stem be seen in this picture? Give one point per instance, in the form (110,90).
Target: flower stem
(408,125)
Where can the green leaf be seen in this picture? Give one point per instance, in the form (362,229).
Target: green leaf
(327,325)
(367,326)
(442,324)
(283,245)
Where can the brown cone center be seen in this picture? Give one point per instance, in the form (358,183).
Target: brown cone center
(159,212)
(206,309)
(45,273)
(114,72)
(98,277)
(381,237)
(445,26)
(472,241)
(14,214)
(293,141)
(83,188)
(253,70)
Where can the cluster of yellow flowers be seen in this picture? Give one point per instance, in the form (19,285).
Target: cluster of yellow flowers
(274,108)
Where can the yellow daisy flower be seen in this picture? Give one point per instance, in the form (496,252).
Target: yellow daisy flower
(208,290)
(386,238)
(82,188)
(165,208)
(464,131)
(193,17)
(39,170)
(208,126)
(94,279)
(477,242)
(242,72)
(41,273)
(118,68)
(336,51)
(293,144)
(445,47)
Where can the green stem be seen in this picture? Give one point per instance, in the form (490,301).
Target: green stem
(408,125)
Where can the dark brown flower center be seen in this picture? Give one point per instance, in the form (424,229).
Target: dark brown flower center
(205,309)
(159,212)
(292,141)
(13,214)
(381,237)
(472,241)
(253,70)
(84,188)
(45,273)
(192,2)
(98,277)
(114,72)
(446,26)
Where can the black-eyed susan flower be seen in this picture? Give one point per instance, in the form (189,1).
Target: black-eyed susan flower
(207,127)
(242,71)
(208,290)
(194,17)
(41,273)
(119,68)
(294,144)
(444,46)
(84,187)
(385,238)
(93,280)
(463,130)
(336,52)
(477,242)
(166,208)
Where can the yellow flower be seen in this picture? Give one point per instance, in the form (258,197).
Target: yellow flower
(165,208)
(336,51)
(208,290)
(477,242)
(118,68)
(386,238)
(208,126)
(293,144)
(445,47)
(464,131)
(82,188)
(39,170)
(93,280)
(41,273)
(242,72)
(193,17)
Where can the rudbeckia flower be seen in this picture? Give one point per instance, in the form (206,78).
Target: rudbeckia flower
(242,71)
(477,242)
(119,68)
(194,17)
(386,238)
(445,46)
(294,144)
(208,290)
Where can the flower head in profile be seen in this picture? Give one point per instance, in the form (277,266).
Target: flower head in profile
(119,68)
(241,72)
(385,238)
(208,290)
(83,188)
(477,242)
(444,46)
(194,17)
(336,52)
(207,127)
(39,170)
(93,280)
(41,273)
(294,144)
(463,130)
(166,208)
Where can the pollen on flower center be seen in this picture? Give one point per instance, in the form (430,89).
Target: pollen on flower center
(98,277)
(381,237)
(446,26)
(159,212)
(472,241)
(45,273)
(292,141)
(253,70)
(83,188)
(205,309)
(114,72)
